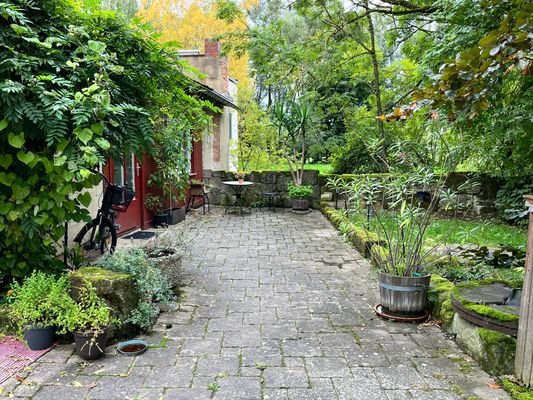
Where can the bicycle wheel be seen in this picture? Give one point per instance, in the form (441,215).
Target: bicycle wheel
(96,238)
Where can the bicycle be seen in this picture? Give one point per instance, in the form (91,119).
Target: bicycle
(102,230)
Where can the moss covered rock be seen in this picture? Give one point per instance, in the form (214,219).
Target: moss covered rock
(494,351)
(439,299)
(116,288)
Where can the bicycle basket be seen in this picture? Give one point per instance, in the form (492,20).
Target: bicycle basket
(118,198)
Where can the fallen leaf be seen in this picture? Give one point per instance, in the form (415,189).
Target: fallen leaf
(99,371)
(91,385)
(1,390)
(493,385)
(19,378)
(76,384)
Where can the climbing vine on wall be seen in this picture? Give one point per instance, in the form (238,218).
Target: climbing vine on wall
(74,89)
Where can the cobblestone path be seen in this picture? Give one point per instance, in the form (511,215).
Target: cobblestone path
(277,307)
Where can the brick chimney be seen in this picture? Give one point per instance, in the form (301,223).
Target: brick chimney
(212,48)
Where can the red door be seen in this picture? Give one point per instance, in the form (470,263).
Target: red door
(128,173)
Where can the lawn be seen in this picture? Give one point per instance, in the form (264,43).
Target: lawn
(282,166)
(489,233)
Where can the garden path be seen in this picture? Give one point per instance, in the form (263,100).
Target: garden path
(277,307)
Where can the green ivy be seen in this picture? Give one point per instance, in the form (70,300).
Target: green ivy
(75,89)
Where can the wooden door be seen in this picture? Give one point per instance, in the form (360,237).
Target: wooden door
(128,173)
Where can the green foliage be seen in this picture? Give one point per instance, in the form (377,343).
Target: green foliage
(89,313)
(404,230)
(256,145)
(517,391)
(154,203)
(75,88)
(294,123)
(510,201)
(299,192)
(40,301)
(151,285)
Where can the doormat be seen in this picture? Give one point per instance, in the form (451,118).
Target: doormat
(14,356)
(140,235)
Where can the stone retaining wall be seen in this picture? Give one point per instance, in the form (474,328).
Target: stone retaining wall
(219,194)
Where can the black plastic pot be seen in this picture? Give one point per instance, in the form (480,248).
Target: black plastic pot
(169,217)
(39,338)
(90,345)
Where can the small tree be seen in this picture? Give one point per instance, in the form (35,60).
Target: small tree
(293,121)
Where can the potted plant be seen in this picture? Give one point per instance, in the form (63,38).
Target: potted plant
(239,175)
(171,156)
(154,204)
(36,306)
(167,251)
(88,318)
(300,195)
(401,223)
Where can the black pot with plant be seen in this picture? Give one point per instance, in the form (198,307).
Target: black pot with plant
(36,307)
(88,318)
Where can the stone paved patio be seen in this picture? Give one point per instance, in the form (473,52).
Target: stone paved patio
(277,307)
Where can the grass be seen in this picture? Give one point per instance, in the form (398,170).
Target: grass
(282,166)
(457,231)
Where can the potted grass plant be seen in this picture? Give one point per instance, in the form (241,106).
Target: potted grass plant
(401,223)
(36,307)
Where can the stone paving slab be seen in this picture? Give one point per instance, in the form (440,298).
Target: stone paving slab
(277,307)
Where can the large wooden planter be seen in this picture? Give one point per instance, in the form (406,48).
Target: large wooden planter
(403,296)
(300,204)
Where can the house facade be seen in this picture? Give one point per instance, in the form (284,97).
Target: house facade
(213,152)
(221,90)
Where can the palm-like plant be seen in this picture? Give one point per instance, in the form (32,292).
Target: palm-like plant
(293,121)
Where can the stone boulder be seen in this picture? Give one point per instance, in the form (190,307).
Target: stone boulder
(116,288)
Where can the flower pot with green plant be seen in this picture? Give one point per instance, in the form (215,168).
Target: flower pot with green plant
(300,195)
(88,318)
(36,307)
(154,204)
(239,175)
(401,223)
(171,156)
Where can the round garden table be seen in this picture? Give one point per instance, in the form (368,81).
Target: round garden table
(238,190)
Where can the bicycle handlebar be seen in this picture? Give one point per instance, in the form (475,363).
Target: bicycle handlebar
(95,171)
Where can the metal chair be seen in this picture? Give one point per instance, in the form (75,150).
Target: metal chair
(269,194)
(198,191)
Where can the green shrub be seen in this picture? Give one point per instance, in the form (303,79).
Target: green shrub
(151,285)
(89,313)
(509,201)
(40,301)
(299,192)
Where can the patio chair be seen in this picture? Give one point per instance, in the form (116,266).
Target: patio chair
(269,194)
(198,191)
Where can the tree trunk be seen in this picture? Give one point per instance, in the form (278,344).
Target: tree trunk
(524,346)
(377,88)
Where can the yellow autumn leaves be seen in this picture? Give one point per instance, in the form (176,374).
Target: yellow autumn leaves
(189,22)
